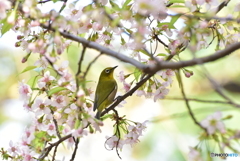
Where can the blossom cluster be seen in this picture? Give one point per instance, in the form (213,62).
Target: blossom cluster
(157,87)
(55,112)
(130,138)
(58,106)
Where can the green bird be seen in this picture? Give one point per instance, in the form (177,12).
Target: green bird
(106,91)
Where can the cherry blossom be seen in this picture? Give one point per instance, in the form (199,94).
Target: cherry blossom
(113,142)
(13,149)
(59,101)
(79,133)
(160,93)
(45,80)
(213,123)
(194,155)
(41,107)
(50,129)
(25,91)
(4,5)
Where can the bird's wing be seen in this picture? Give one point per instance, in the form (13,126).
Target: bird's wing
(103,93)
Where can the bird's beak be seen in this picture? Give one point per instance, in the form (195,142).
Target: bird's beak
(114,67)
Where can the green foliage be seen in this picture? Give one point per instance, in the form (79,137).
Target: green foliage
(56,90)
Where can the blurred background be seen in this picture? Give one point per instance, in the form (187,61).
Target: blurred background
(170,131)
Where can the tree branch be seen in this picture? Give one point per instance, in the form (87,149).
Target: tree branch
(75,149)
(200,100)
(188,105)
(129,93)
(47,150)
(153,68)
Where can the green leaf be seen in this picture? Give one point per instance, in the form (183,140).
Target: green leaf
(176,1)
(163,23)
(174,19)
(137,73)
(5,28)
(115,6)
(179,79)
(126,3)
(55,90)
(106,116)
(32,82)
(144,52)
(28,68)
(162,54)
(123,42)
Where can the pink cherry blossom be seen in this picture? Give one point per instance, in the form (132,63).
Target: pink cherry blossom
(47,78)
(146,7)
(166,74)
(28,136)
(194,155)
(25,91)
(121,76)
(160,93)
(13,149)
(50,129)
(79,133)
(4,5)
(140,93)
(113,142)
(214,123)
(59,101)
(40,107)
(126,86)
(62,68)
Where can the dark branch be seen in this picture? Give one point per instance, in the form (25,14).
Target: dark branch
(158,65)
(75,150)
(90,64)
(200,100)
(129,93)
(47,150)
(188,105)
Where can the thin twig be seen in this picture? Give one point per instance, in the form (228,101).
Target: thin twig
(188,105)
(56,126)
(63,5)
(75,150)
(184,114)
(218,88)
(80,67)
(129,93)
(51,64)
(90,64)
(44,1)
(159,40)
(117,131)
(81,60)
(54,152)
(199,100)
(222,5)
(47,150)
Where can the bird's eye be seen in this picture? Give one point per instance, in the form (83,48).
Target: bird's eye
(107,70)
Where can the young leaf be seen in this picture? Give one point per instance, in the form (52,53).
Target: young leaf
(115,6)
(176,1)
(28,68)
(137,74)
(55,90)
(178,78)
(126,3)
(32,82)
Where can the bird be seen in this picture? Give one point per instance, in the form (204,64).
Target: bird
(106,91)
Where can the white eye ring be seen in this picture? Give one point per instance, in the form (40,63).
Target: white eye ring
(107,70)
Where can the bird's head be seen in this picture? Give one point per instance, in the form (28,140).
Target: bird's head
(107,73)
